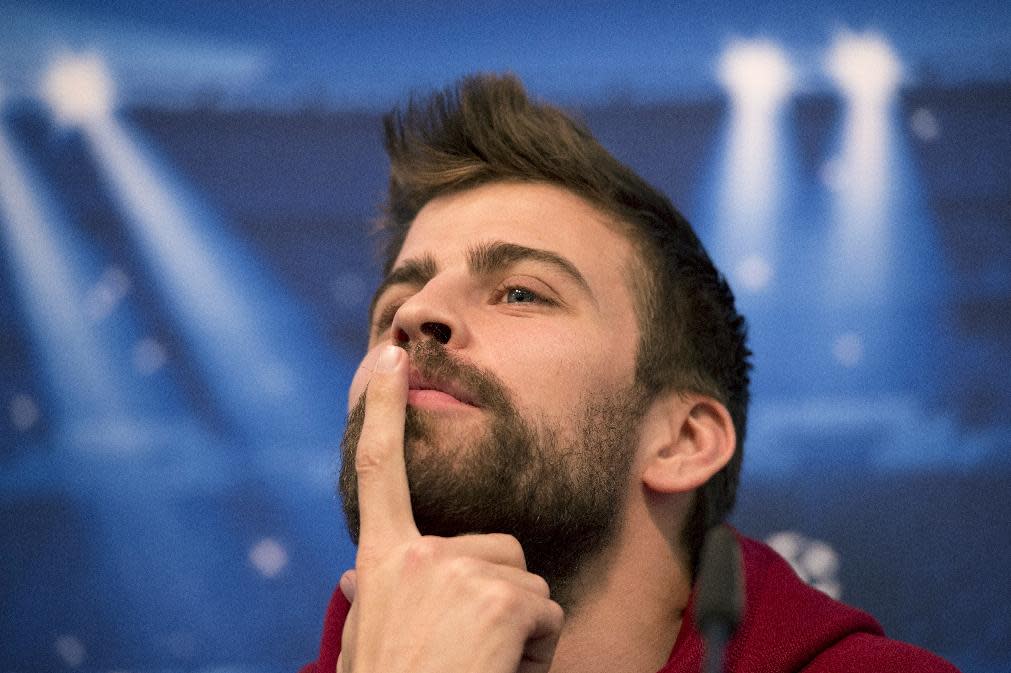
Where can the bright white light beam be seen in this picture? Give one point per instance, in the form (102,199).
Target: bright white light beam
(231,317)
(758,78)
(864,67)
(77,368)
(79,89)
(868,72)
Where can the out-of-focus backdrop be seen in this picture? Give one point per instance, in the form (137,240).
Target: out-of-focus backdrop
(185,194)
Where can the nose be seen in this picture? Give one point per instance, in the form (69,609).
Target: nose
(429,314)
(439,331)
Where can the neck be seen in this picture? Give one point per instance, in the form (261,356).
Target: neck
(628,609)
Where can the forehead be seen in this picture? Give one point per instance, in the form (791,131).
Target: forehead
(531,214)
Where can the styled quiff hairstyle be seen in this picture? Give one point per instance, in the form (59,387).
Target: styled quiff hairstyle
(485,129)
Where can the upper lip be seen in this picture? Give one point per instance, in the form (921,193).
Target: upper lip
(419,381)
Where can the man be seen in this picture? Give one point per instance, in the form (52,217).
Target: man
(549,419)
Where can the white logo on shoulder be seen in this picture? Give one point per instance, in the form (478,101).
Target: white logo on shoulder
(813,560)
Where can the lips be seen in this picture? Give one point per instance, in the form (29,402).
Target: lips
(430,389)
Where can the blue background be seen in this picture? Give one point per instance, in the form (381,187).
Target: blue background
(183,285)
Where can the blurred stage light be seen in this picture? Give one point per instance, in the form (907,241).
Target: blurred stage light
(881,261)
(758,79)
(110,397)
(71,650)
(925,125)
(49,266)
(867,72)
(254,351)
(754,273)
(148,356)
(104,296)
(94,399)
(756,73)
(864,67)
(222,306)
(24,412)
(848,349)
(79,88)
(269,557)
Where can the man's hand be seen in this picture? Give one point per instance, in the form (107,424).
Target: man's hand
(424,604)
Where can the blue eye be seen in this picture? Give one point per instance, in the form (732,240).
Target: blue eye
(520,295)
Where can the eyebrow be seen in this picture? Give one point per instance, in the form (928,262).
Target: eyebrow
(483,259)
(497,255)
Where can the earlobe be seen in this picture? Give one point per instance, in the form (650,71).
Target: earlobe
(699,439)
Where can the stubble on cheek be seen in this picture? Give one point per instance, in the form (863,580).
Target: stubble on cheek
(347,481)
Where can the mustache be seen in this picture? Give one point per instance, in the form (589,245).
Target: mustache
(433,362)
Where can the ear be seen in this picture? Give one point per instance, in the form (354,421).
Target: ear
(691,439)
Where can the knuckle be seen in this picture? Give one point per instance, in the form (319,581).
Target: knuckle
(556,613)
(542,587)
(368,457)
(553,616)
(511,548)
(461,568)
(500,599)
(421,551)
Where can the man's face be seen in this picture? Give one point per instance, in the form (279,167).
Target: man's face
(514,304)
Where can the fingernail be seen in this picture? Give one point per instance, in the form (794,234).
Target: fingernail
(388,358)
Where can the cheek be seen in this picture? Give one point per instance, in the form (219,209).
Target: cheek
(560,369)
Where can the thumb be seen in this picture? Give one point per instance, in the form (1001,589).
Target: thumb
(349,585)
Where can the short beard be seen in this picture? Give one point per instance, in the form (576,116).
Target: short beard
(560,495)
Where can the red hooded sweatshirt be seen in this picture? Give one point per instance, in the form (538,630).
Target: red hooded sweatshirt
(788,627)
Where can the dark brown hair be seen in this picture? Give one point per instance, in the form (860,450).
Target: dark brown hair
(486,129)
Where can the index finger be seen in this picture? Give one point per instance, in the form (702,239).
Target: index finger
(384,499)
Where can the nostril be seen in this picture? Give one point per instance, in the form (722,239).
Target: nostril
(400,336)
(438,331)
